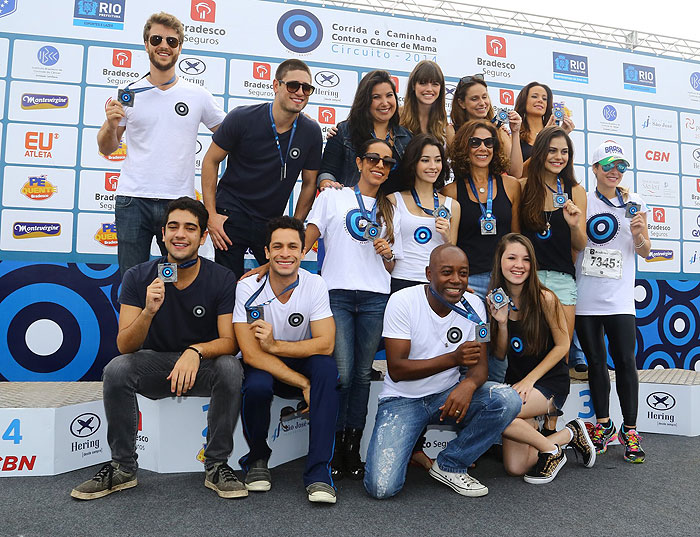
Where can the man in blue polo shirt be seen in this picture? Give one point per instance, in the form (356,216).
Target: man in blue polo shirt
(267,145)
(286,332)
(176,337)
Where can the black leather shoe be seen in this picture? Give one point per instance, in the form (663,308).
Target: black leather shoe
(338,462)
(354,467)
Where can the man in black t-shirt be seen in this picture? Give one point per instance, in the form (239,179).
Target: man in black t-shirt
(175,338)
(267,145)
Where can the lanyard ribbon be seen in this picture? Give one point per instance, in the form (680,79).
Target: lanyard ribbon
(560,191)
(468,312)
(139,90)
(372,215)
(283,159)
(488,212)
(186,264)
(249,302)
(436,201)
(610,203)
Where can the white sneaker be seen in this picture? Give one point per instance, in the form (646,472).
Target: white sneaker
(463,484)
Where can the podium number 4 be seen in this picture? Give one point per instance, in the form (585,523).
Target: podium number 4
(12,432)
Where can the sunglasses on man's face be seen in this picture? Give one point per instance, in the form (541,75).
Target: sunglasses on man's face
(374,158)
(155,40)
(621,167)
(475,142)
(293,86)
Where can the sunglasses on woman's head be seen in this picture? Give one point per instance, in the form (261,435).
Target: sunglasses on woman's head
(475,142)
(621,167)
(374,158)
(293,86)
(155,40)
(471,78)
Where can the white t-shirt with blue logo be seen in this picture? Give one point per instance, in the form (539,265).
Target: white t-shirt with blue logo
(607,227)
(408,315)
(351,262)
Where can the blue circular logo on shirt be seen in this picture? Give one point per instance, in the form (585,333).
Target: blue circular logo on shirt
(516,344)
(355,223)
(544,235)
(602,228)
(422,235)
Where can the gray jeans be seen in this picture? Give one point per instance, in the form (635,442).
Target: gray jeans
(145,372)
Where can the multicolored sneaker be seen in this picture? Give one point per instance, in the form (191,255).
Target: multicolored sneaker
(633,450)
(602,436)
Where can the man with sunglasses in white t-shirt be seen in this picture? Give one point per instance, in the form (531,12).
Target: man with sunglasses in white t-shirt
(160,114)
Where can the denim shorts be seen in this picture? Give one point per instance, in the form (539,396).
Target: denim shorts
(561,284)
(558,399)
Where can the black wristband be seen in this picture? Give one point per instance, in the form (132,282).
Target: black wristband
(201,356)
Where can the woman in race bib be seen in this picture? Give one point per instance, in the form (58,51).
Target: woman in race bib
(528,326)
(471,102)
(361,231)
(489,201)
(616,230)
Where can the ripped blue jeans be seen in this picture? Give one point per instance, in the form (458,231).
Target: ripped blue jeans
(400,421)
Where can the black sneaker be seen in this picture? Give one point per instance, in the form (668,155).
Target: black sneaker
(258,478)
(320,492)
(224,482)
(107,480)
(582,442)
(546,469)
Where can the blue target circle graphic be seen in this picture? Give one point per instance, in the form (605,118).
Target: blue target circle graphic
(299,30)
(544,235)
(648,303)
(679,325)
(692,360)
(516,344)
(355,224)
(89,332)
(422,235)
(602,228)
(661,358)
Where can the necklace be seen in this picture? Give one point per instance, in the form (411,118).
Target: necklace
(548,217)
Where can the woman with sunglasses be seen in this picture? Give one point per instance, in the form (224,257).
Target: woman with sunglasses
(605,273)
(374,114)
(489,201)
(471,101)
(552,213)
(424,105)
(530,330)
(534,104)
(361,232)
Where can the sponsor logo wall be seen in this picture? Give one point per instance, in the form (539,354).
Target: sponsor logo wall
(58,190)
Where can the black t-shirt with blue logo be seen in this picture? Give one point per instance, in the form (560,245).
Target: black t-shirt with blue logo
(187,316)
(251,184)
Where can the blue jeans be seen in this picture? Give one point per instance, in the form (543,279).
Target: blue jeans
(400,421)
(138,220)
(480,284)
(259,387)
(576,355)
(359,316)
(145,372)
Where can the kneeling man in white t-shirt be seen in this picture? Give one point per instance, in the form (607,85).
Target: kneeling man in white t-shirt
(429,332)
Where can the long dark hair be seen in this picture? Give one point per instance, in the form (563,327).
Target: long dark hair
(425,71)
(521,105)
(533,196)
(385,209)
(458,115)
(360,120)
(532,318)
(413,154)
(458,152)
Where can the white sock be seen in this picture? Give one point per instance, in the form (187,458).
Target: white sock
(571,434)
(553,452)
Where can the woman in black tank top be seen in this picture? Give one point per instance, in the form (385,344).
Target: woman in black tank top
(475,164)
(531,331)
(553,215)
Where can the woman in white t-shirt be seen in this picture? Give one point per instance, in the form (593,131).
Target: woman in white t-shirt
(423,173)
(616,229)
(361,233)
